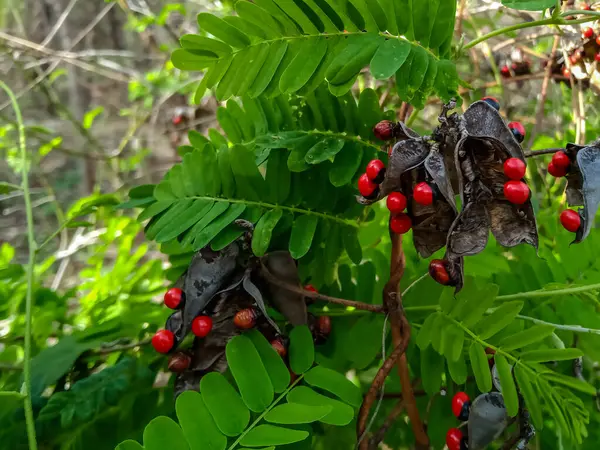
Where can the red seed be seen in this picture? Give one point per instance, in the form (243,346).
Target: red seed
(516,192)
(560,159)
(598,40)
(279,347)
(574,58)
(438,270)
(400,223)
(588,32)
(585,7)
(324,325)
(493,102)
(179,362)
(245,318)
(365,186)
(423,194)
(201,326)
(453,438)
(173,298)
(376,171)
(163,341)
(514,168)
(597,57)
(384,130)
(177,120)
(396,202)
(505,71)
(570,220)
(459,399)
(311,288)
(555,170)
(518,130)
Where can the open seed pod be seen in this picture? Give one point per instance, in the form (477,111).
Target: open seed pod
(583,188)
(485,145)
(487,420)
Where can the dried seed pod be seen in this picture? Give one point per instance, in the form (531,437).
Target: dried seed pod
(487,420)
(583,188)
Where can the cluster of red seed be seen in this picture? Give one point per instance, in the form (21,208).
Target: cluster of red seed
(455,440)
(559,167)
(245,319)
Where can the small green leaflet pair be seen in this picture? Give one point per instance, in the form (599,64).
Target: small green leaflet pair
(274,47)
(464,318)
(222,417)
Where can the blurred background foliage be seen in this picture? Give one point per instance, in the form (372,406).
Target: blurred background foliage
(106,110)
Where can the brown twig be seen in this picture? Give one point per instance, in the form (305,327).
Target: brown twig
(317,296)
(539,117)
(400,335)
(546,151)
(390,419)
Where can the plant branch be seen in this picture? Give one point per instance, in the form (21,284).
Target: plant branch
(29,419)
(591,16)
(315,295)
(546,151)
(552,293)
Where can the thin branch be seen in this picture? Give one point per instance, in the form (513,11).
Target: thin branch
(119,348)
(29,419)
(547,151)
(539,117)
(389,421)
(552,293)
(558,326)
(59,22)
(317,296)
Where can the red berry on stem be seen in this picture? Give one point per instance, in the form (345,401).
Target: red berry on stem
(279,347)
(588,32)
(401,223)
(493,102)
(179,362)
(560,159)
(438,270)
(556,171)
(310,287)
(460,406)
(423,194)
(163,341)
(396,202)
(570,220)
(516,192)
(454,438)
(384,130)
(245,319)
(376,171)
(518,130)
(365,186)
(514,168)
(173,298)
(201,326)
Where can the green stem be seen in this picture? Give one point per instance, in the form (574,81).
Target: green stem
(557,292)
(262,416)
(264,205)
(593,15)
(32,250)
